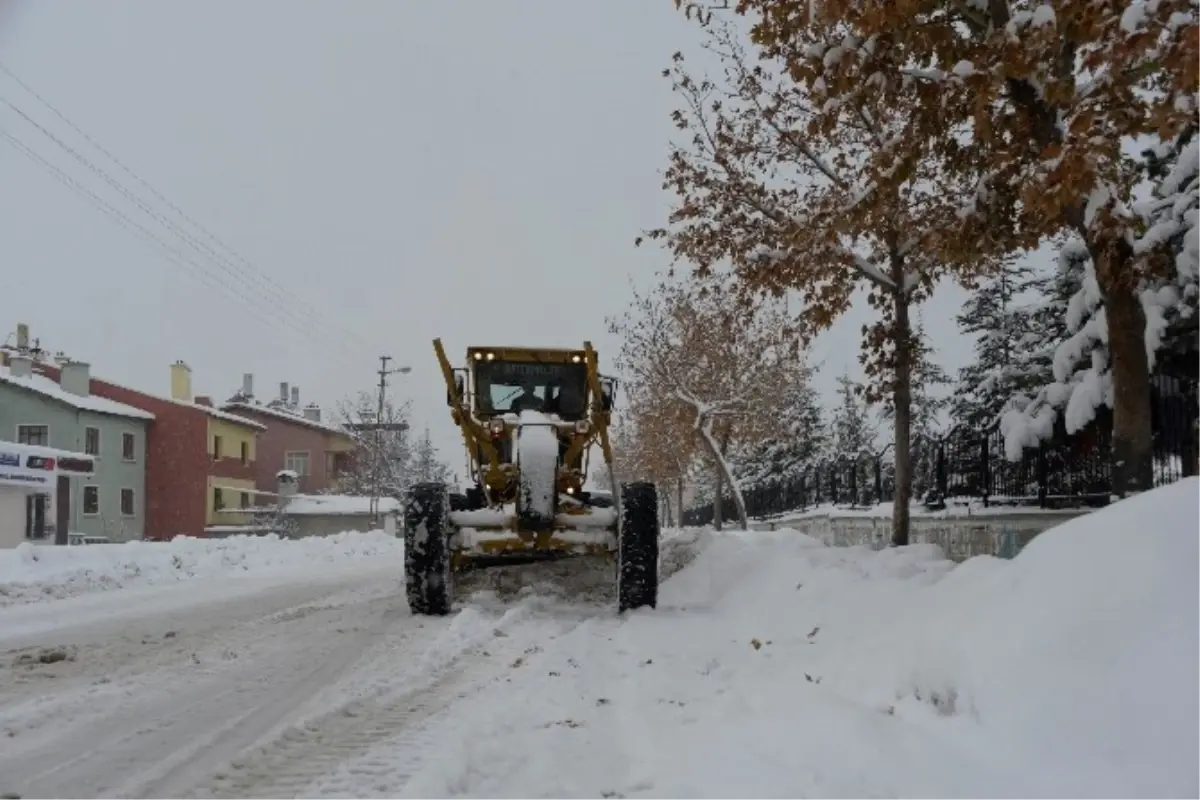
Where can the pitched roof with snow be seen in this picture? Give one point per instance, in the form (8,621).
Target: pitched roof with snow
(212,412)
(285,416)
(50,388)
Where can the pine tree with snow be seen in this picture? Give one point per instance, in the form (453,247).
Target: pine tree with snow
(850,428)
(1010,361)
(799,442)
(427,467)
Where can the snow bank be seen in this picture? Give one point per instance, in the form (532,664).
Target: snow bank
(322,504)
(31,573)
(777,667)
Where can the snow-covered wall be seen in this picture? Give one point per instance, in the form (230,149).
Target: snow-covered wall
(1000,534)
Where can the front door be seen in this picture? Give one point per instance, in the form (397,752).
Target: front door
(62,516)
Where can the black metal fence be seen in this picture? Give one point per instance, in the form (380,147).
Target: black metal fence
(1068,470)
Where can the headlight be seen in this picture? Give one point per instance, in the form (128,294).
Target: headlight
(582,426)
(496,426)
(478,355)
(491,356)
(576,358)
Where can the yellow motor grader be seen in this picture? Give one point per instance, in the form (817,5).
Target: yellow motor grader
(529,418)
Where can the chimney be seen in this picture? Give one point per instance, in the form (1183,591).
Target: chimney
(20,365)
(312,412)
(248,385)
(181,382)
(283,392)
(22,337)
(295,397)
(204,400)
(75,377)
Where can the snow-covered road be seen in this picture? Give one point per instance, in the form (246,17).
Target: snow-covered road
(244,684)
(773,667)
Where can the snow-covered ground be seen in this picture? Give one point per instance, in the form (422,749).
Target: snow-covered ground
(773,667)
(32,573)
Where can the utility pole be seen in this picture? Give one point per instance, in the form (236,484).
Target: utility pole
(377,467)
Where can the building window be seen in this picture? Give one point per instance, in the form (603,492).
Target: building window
(91,441)
(218,499)
(216,448)
(245,452)
(297,462)
(127,509)
(91,501)
(128,447)
(245,499)
(33,434)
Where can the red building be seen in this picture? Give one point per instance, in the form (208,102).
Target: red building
(200,461)
(295,439)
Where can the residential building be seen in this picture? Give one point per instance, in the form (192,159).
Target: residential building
(200,460)
(295,439)
(27,472)
(63,414)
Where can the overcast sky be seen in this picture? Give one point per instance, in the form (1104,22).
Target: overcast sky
(383,172)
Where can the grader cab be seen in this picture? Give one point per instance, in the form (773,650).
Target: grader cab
(530,419)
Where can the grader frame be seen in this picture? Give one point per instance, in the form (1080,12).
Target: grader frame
(530,469)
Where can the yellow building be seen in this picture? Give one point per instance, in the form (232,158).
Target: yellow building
(232,449)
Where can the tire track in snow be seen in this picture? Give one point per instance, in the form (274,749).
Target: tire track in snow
(137,746)
(456,666)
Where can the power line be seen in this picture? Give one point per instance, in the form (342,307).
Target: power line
(171,254)
(137,201)
(262,278)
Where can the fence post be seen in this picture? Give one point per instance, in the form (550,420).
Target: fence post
(942,482)
(985,470)
(878,479)
(833,484)
(854,482)
(1043,477)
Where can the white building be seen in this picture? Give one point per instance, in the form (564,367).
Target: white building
(29,470)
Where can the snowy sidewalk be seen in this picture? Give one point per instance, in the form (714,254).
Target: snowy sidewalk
(777,667)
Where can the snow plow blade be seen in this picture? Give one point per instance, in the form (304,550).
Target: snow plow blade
(486,538)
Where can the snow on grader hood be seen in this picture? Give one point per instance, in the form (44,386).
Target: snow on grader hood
(530,419)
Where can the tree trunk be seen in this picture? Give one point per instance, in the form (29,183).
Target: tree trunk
(723,476)
(718,505)
(902,401)
(1132,434)
(1132,447)
(679,490)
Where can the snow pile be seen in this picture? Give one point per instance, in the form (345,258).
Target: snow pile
(31,573)
(776,666)
(322,504)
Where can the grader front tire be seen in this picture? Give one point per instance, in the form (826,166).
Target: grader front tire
(427,576)
(637,553)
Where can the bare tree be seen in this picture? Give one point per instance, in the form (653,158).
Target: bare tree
(800,193)
(383,442)
(706,371)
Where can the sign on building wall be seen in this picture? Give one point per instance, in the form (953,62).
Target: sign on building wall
(37,471)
